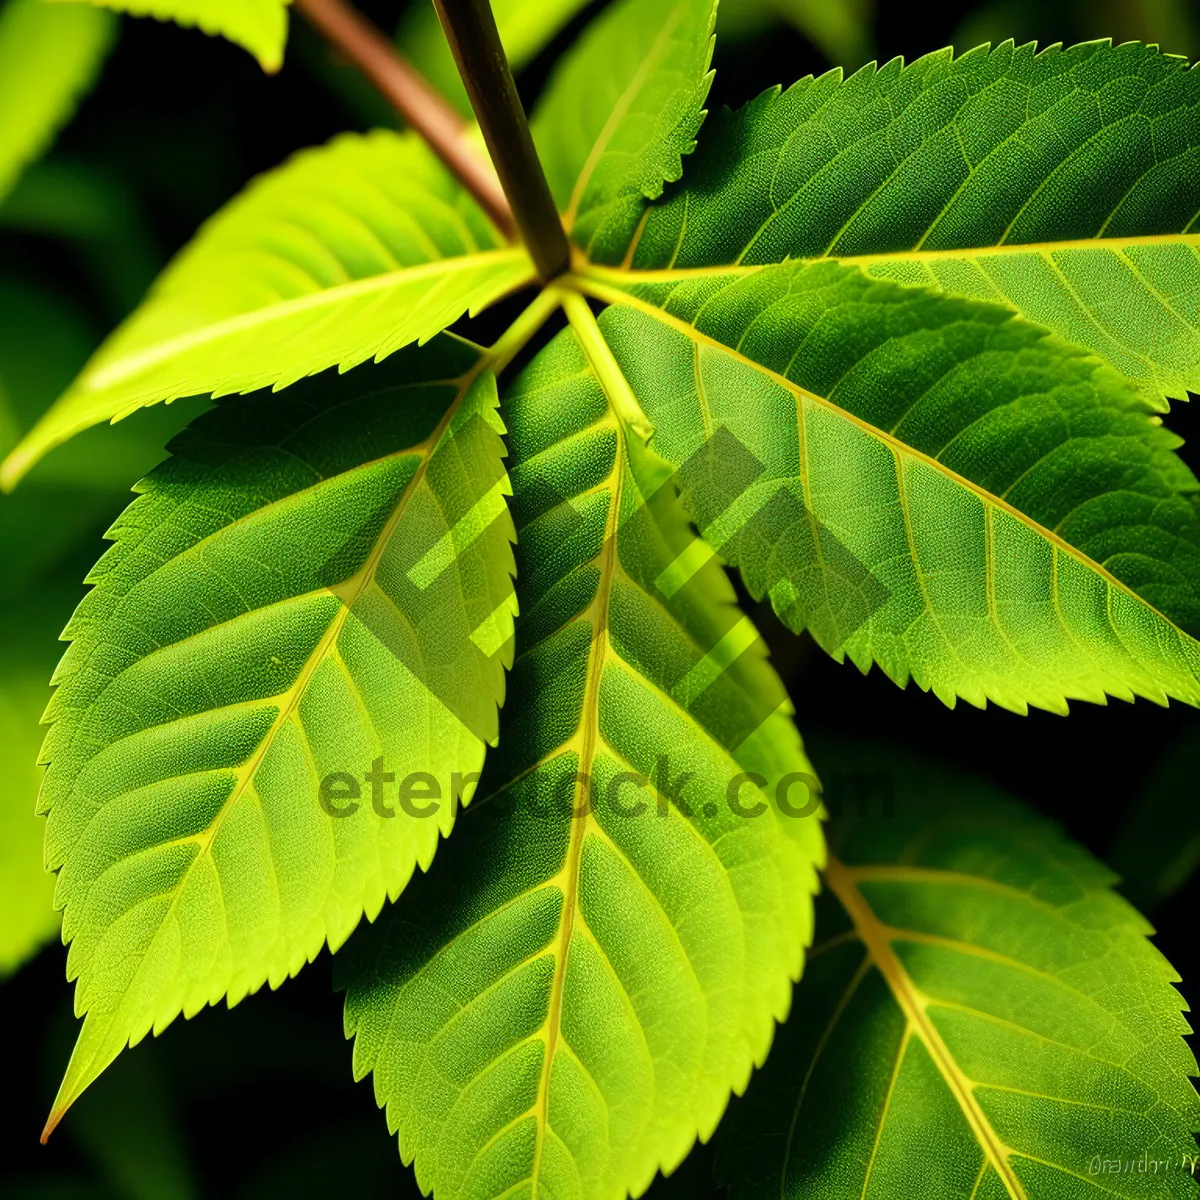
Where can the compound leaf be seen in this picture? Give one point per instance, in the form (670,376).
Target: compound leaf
(982,1018)
(49,57)
(316,585)
(930,483)
(622,109)
(569,999)
(259,26)
(1065,184)
(347,252)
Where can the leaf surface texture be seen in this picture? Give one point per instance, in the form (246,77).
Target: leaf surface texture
(621,111)
(348,252)
(568,1001)
(291,598)
(983,1018)
(942,488)
(1063,183)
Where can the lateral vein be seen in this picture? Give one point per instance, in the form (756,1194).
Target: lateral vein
(914,1004)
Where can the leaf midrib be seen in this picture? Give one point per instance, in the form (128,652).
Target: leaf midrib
(588,732)
(104,376)
(632,276)
(587,737)
(914,1005)
(610,295)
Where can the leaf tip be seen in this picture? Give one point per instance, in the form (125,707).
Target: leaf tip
(268,52)
(56,1114)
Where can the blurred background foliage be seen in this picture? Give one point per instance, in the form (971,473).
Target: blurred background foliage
(260,1101)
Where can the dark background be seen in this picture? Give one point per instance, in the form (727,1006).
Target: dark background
(260,1100)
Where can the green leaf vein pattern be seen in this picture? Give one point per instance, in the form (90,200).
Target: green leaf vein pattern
(568,1002)
(348,252)
(250,634)
(983,1018)
(622,110)
(1033,529)
(1065,183)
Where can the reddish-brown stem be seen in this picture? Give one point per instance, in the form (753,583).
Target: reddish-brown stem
(413,98)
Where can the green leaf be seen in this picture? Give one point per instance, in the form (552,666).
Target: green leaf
(1156,849)
(259,26)
(26,889)
(982,1017)
(567,1002)
(525,29)
(292,597)
(1062,183)
(621,110)
(49,57)
(43,340)
(347,252)
(944,489)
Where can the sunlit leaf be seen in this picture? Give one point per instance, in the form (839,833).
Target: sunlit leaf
(982,1017)
(941,488)
(1065,183)
(289,602)
(345,253)
(621,111)
(568,1001)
